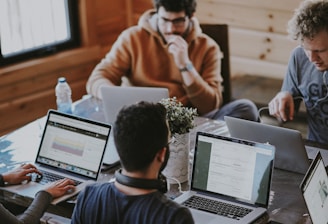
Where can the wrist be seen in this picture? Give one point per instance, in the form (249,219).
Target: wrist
(187,67)
(5,177)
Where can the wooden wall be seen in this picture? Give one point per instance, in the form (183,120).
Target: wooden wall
(258,36)
(258,45)
(27,90)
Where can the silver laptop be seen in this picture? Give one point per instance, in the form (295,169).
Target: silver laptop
(229,173)
(291,154)
(314,189)
(71,147)
(116,97)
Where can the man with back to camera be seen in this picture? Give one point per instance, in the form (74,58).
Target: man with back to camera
(141,136)
(306,75)
(168,49)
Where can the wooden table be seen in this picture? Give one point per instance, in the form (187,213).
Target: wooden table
(286,202)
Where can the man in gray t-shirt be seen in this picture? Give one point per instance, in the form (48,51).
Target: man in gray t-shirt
(306,77)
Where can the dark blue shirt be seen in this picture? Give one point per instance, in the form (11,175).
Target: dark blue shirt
(104,203)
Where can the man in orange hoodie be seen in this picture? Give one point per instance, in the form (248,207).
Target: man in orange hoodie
(168,49)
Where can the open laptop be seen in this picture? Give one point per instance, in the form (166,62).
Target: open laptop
(290,155)
(116,97)
(229,171)
(314,187)
(71,147)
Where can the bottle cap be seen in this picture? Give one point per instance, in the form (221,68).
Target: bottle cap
(61,79)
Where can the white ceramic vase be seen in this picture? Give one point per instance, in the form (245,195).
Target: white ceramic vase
(178,164)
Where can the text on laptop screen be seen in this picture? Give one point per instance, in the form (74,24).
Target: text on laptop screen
(73,145)
(315,192)
(241,171)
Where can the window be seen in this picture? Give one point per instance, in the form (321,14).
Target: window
(35,28)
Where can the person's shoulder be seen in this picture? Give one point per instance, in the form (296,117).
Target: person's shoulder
(298,54)
(146,23)
(202,38)
(135,33)
(205,39)
(168,202)
(298,51)
(180,213)
(132,30)
(98,187)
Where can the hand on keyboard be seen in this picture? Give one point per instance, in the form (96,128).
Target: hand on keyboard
(61,187)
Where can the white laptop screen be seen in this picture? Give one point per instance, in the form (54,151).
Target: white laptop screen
(233,168)
(73,144)
(315,191)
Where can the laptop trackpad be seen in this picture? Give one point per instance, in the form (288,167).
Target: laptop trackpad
(200,217)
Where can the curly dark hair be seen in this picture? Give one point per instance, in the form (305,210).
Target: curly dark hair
(189,6)
(140,131)
(308,20)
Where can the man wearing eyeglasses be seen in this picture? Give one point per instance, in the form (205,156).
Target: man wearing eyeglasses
(168,49)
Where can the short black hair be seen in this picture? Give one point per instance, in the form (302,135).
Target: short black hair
(188,6)
(140,131)
(308,20)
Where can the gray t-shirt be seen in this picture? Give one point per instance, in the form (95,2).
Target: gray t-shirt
(304,80)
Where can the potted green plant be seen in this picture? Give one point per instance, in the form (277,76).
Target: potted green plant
(181,120)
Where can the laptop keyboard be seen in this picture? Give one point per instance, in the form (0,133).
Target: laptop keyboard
(51,177)
(217,207)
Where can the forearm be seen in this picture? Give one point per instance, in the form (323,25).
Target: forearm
(204,96)
(94,84)
(32,214)
(108,72)
(37,208)
(205,92)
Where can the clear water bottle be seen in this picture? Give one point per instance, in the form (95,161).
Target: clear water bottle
(64,96)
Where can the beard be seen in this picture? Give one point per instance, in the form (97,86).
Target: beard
(167,156)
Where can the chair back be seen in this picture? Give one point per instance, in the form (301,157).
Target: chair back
(219,33)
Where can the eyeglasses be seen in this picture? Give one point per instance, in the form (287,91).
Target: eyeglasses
(178,22)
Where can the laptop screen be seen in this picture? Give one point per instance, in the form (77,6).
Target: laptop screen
(233,168)
(315,191)
(116,97)
(73,144)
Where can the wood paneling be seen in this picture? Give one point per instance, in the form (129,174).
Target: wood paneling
(258,36)
(244,17)
(139,7)
(280,5)
(247,66)
(28,89)
(258,46)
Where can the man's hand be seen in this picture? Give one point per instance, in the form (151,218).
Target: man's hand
(282,106)
(178,47)
(60,187)
(20,174)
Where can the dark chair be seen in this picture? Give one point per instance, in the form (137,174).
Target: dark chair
(219,33)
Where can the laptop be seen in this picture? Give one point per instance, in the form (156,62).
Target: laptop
(71,147)
(232,172)
(314,187)
(290,155)
(115,98)
(313,147)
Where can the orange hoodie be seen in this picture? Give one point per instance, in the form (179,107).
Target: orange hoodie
(140,54)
